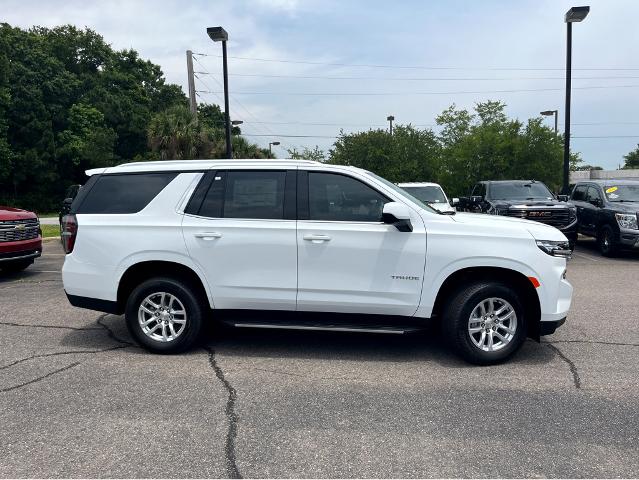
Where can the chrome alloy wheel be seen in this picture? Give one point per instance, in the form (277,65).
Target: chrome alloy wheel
(492,324)
(162,317)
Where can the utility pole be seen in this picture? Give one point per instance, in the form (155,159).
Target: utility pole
(390,119)
(191,81)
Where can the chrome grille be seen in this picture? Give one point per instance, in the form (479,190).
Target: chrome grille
(17,230)
(559,217)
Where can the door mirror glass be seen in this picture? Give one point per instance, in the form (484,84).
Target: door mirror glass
(67,201)
(397,214)
(454,202)
(562,198)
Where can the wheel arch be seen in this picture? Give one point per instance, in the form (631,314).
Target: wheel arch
(521,282)
(144,270)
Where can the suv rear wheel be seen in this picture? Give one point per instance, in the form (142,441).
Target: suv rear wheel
(164,315)
(485,322)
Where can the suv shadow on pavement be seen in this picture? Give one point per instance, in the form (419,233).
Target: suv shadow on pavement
(426,347)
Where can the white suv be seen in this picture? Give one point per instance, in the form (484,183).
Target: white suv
(304,245)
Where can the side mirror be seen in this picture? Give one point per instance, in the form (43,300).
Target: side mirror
(562,198)
(67,201)
(454,202)
(398,215)
(597,202)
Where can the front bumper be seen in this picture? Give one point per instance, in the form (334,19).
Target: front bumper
(629,238)
(20,250)
(570,231)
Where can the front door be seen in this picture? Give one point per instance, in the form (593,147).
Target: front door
(349,261)
(242,235)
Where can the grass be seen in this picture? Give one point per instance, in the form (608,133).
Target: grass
(50,231)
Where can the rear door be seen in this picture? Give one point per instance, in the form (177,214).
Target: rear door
(579,199)
(349,260)
(240,228)
(591,210)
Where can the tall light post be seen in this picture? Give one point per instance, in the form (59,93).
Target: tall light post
(575,14)
(218,34)
(272,143)
(547,113)
(390,119)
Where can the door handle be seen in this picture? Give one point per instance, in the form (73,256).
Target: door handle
(208,235)
(317,238)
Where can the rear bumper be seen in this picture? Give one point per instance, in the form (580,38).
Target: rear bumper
(98,304)
(548,328)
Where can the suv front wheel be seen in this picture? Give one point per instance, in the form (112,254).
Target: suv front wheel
(485,322)
(164,315)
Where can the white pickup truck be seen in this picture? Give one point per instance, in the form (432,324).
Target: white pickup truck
(302,245)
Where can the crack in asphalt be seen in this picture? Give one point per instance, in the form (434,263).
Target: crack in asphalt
(110,333)
(573,368)
(55,354)
(39,379)
(64,327)
(229,448)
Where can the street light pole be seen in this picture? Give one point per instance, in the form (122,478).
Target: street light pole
(390,119)
(218,34)
(575,14)
(272,143)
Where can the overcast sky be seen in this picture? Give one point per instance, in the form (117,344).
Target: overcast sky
(480,47)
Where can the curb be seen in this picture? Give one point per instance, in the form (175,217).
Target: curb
(50,239)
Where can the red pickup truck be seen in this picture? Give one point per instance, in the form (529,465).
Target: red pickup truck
(20,238)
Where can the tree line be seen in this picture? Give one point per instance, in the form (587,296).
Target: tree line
(69,102)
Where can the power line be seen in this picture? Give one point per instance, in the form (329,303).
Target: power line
(401,93)
(605,136)
(415,79)
(238,102)
(414,67)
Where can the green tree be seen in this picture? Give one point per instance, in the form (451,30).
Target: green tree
(632,158)
(314,154)
(177,134)
(409,154)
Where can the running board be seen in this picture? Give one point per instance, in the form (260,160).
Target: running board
(328,328)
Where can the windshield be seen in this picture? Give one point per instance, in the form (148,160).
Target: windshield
(623,193)
(403,193)
(519,191)
(429,194)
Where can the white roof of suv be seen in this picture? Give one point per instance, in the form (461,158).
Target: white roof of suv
(181,165)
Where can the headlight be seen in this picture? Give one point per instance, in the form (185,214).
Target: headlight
(555,248)
(627,220)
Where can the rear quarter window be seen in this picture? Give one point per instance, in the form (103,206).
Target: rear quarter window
(127,193)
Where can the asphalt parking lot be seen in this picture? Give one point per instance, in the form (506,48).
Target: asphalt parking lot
(79,399)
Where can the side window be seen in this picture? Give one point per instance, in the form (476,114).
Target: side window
(580,193)
(592,195)
(254,194)
(341,198)
(127,193)
(479,190)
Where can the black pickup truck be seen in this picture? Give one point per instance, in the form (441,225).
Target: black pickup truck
(607,210)
(526,199)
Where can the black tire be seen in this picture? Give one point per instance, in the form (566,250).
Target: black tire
(15,267)
(606,241)
(457,316)
(193,306)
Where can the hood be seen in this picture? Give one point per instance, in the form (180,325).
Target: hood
(441,206)
(629,207)
(11,213)
(502,226)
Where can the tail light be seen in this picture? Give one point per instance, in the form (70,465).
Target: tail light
(69,232)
